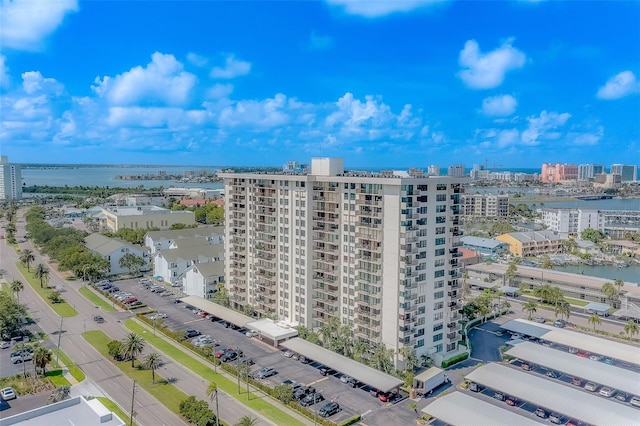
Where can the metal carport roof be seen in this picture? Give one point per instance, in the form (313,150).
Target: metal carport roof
(461,409)
(554,396)
(272,329)
(363,373)
(586,342)
(597,307)
(219,311)
(599,372)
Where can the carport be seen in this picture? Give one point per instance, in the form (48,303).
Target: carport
(363,373)
(597,308)
(510,291)
(554,396)
(575,366)
(219,311)
(526,328)
(274,331)
(458,408)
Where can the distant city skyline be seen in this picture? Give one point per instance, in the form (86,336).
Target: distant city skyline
(512,84)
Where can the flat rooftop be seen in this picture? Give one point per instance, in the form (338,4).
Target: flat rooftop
(554,396)
(72,411)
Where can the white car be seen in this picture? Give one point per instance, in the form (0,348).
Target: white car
(8,393)
(251,333)
(288,354)
(606,391)
(5,345)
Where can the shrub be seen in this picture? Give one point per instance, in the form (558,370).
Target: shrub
(197,412)
(351,420)
(454,360)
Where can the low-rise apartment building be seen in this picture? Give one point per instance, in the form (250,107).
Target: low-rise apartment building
(162,240)
(202,279)
(532,243)
(487,247)
(172,263)
(113,250)
(485,205)
(571,222)
(144,217)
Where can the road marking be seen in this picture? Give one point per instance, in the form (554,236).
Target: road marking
(364,414)
(197,320)
(318,381)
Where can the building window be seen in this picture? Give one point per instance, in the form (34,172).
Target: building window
(437,337)
(437,327)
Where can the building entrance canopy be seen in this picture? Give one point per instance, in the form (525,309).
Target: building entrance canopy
(363,373)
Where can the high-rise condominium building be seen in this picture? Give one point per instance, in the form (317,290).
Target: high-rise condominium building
(628,173)
(433,170)
(485,205)
(589,171)
(377,252)
(558,172)
(10,180)
(571,222)
(457,170)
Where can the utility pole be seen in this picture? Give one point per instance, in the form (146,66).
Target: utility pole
(237,367)
(59,337)
(133,398)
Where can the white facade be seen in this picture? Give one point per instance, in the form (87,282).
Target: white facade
(589,171)
(202,279)
(113,250)
(163,240)
(485,205)
(171,264)
(572,221)
(377,251)
(10,180)
(628,173)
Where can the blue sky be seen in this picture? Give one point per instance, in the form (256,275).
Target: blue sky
(398,84)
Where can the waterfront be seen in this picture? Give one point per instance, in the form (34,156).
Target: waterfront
(628,274)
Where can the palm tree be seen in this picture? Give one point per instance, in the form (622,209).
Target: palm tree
(60,393)
(562,310)
(152,362)
(132,346)
(16,287)
(212,392)
(609,290)
(619,284)
(631,328)
(42,273)
(594,320)
(359,350)
(382,358)
(27,257)
(41,357)
(531,307)
(247,421)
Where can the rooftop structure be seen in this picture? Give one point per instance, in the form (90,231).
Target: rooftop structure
(72,411)
(144,217)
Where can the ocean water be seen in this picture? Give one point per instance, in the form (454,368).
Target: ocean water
(103,176)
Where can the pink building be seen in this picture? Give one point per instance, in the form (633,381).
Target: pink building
(558,172)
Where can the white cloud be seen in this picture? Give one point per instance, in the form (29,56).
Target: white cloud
(507,137)
(486,71)
(619,86)
(319,42)
(541,127)
(501,106)
(33,82)
(219,91)
(267,113)
(153,117)
(197,60)
(378,8)
(4,72)
(24,24)
(163,81)
(232,68)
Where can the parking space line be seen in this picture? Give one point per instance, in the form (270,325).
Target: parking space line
(196,320)
(318,381)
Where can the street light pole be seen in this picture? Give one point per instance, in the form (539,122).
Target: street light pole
(238,367)
(59,336)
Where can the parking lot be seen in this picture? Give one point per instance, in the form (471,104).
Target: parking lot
(181,317)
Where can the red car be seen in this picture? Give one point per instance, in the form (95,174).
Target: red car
(386,396)
(581,354)
(221,352)
(512,401)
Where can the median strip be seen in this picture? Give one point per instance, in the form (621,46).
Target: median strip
(63,309)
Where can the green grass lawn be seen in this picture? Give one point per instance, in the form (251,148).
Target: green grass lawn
(74,370)
(62,309)
(166,393)
(57,378)
(112,406)
(230,387)
(92,297)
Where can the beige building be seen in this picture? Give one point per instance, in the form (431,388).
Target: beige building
(485,205)
(377,251)
(143,217)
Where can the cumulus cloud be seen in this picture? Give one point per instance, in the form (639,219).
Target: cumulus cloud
(197,60)
(619,86)
(508,137)
(487,70)
(543,127)
(378,8)
(267,113)
(4,72)
(163,81)
(34,82)
(232,68)
(499,106)
(220,91)
(24,24)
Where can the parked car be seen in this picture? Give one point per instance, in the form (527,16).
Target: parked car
(311,399)
(555,418)
(304,359)
(525,366)
(541,413)
(191,333)
(539,319)
(231,356)
(325,371)
(499,396)
(247,361)
(512,401)
(288,354)
(349,381)
(303,391)
(576,381)
(595,357)
(251,333)
(5,345)
(622,397)
(98,318)
(607,391)
(21,356)
(573,350)
(267,372)
(329,409)
(8,393)
(134,304)
(581,354)
(473,387)
(635,401)
(552,374)
(591,387)
(221,352)
(608,361)
(288,382)
(386,396)
(559,323)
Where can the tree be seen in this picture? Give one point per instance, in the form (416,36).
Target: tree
(41,357)
(563,309)
(631,329)
(360,350)
(16,287)
(27,257)
(221,297)
(152,362)
(595,321)
(413,406)
(619,284)
(132,262)
(132,346)
(115,349)
(546,262)
(247,421)
(382,358)
(212,392)
(11,315)
(55,297)
(60,393)
(283,393)
(511,272)
(42,273)
(609,290)
(531,307)
(593,235)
